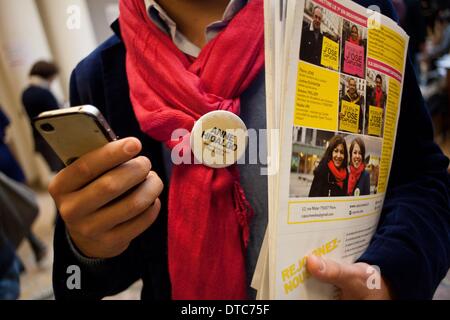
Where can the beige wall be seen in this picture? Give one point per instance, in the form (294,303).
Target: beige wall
(22,42)
(69,40)
(103,13)
(31,30)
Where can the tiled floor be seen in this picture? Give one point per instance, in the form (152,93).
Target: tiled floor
(36,281)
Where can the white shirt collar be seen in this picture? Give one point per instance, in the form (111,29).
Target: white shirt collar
(311,27)
(39,82)
(178,38)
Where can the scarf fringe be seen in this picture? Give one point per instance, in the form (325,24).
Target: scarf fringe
(243,211)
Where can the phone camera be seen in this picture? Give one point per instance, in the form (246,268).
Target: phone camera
(47,127)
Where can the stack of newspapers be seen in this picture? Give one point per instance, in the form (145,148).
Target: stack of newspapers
(335,75)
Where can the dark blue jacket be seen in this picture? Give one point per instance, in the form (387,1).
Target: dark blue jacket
(37,100)
(324,183)
(412,243)
(4,123)
(363,184)
(7,254)
(8,163)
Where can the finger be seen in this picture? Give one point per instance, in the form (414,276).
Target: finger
(127,208)
(329,271)
(131,229)
(94,164)
(108,187)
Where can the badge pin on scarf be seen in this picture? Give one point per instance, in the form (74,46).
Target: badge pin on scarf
(219,139)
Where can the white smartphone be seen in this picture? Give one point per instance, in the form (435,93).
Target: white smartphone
(73,132)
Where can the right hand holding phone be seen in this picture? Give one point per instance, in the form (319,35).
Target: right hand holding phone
(89,194)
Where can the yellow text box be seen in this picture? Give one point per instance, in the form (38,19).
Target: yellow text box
(386,45)
(317,98)
(390,122)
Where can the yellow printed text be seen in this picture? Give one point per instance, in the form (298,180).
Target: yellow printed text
(296,274)
(390,123)
(349,120)
(316,104)
(387,46)
(375,121)
(330,54)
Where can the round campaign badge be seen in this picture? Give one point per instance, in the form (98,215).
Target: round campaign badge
(219,139)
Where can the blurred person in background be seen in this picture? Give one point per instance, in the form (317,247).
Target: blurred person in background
(10,167)
(441,38)
(8,164)
(435,85)
(400,8)
(412,19)
(9,263)
(429,10)
(38,98)
(10,268)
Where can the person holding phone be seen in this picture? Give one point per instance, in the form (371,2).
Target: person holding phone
(116,222)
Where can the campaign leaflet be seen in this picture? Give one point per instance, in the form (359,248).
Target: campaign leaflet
(338,122)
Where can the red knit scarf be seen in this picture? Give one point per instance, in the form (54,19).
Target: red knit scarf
(354,41)
(378,97)
(339,174)
(355,174)
(208,213)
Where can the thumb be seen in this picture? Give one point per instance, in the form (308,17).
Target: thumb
(329,271)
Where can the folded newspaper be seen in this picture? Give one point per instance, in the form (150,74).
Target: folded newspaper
(334,84)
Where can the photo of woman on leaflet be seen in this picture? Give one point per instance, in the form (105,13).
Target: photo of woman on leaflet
(312,174)
(331,177)
(354,49)
(358,177)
